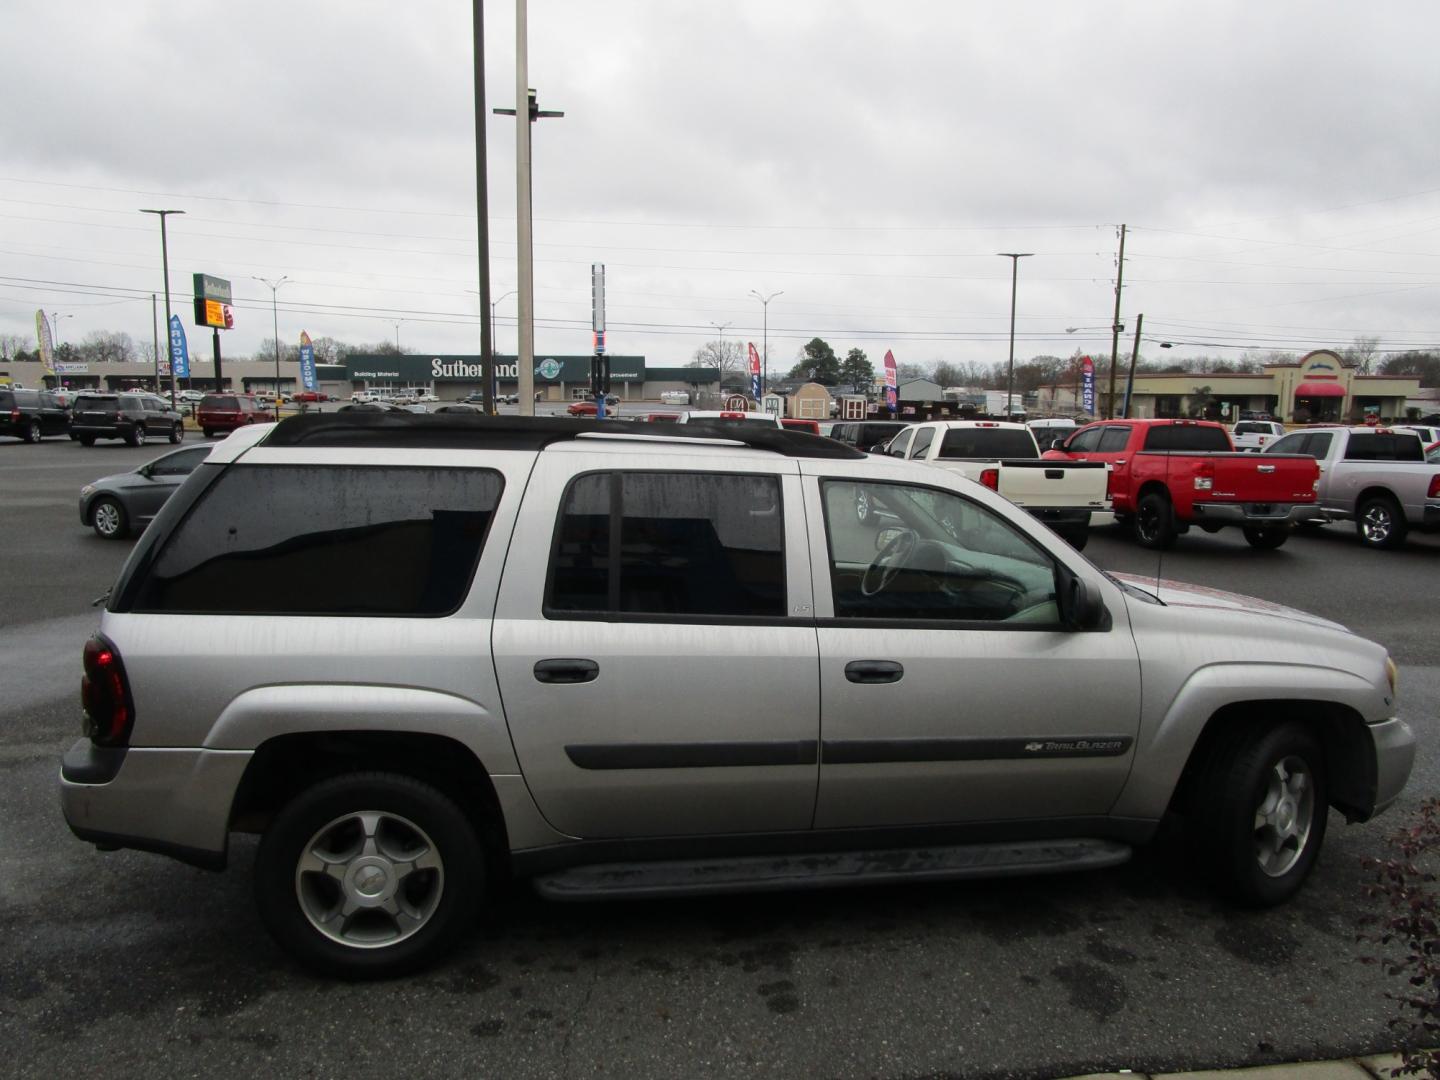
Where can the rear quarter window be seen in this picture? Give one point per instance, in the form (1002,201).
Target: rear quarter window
(1187,437)
(308,539)
(1384,446)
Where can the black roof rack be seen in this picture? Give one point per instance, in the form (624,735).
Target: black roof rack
(470,431)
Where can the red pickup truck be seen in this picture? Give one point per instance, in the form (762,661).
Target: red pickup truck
(1167,475)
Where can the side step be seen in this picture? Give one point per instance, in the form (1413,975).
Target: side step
(773,873)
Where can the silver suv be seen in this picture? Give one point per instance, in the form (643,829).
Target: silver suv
(672,662)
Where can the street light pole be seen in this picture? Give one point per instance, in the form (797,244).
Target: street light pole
(494,389)
(720,366)
(765,339)
(165,268)
(1014,257)
(274,287)
(55,318)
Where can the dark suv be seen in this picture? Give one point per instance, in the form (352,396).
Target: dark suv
(863,434)
(132,417)
(226,412)
(32,414)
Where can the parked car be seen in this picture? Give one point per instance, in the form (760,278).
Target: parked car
(1376,477)
(674,397)
(1167,475)
(309,396)
(1005,457)
(133,417)
(1049,429)
(458,409)
(730,416)
(191,397)
(226,412)
(114,506)
(866,434)
(1428,433)
(32,415)
(598,657)
(1256,434)
(587,408)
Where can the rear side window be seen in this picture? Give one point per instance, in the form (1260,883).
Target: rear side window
(326,540)
(923,438)
(7,400)
(677,544)
(1113,440)
(1186,437)
(987,443)
(29,399)
(1384,447)
(1086,441)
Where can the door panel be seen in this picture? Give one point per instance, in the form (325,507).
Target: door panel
(690,723)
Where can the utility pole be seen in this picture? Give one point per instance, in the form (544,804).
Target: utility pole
(1115,327)
(274,287)
(1134,355)
(165,268)
(1014,257)
(482,209)
(525,352)
(155,327)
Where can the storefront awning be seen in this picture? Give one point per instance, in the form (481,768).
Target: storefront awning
(1319,389)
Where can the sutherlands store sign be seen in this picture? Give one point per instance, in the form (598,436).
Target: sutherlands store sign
(548,369)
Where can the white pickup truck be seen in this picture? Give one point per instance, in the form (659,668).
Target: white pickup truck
(1376,477)
(1256,434)
(1005,458)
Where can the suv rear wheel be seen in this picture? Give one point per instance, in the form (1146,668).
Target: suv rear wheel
(369,875)
(32,432)
(177,432)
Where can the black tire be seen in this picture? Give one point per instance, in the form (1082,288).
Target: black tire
(32,432)
(177,432)
(209,433)
(1380,523)
(87,440)
(455,894)
(108,519)
(1153,525)
(1266,538)
(1077,538)
(136,436)
(1235,785)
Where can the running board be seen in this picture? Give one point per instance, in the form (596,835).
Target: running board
(773,873)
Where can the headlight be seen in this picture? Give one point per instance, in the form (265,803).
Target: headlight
(1392,674)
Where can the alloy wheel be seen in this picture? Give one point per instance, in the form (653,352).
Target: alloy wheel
(1284,817)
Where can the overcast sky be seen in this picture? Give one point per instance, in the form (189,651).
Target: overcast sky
(1276,164)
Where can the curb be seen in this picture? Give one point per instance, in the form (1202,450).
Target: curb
(1373,1067)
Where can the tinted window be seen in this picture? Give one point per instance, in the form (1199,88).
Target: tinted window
(987,443)
(1252,428)
(1290,444)
(1085,441)
(923,438)
(1384,447)
(180,463)
(669,544)
(1317,443)
(1187,437)
(95,404)
(922,553)
(326,540)
(29,399)
(899,443)
(1113,440)
(7,400)
(219,401)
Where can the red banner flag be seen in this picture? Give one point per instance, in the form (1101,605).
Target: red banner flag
(754,360)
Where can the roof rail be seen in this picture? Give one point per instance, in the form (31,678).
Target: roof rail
(475,431)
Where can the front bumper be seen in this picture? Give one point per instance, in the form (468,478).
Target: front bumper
(173,801)
(1393,744)
(1251,513)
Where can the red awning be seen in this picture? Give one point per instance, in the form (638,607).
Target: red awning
(1320,389)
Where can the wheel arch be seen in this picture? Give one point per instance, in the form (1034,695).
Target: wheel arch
(1152,487)
(1377,491)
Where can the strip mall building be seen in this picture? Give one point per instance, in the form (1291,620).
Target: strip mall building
(1317,388)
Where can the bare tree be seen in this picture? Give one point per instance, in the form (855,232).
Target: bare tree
(725,356)
(107,347)
(1361,354)
(11,345)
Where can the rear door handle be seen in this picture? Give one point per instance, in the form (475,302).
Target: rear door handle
(874,671)
(566,671)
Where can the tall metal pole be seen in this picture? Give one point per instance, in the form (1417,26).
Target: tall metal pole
(721,365)
(155,326)
(1115,327)
(482,210)
(1014,257)
(165,267)
(1134,355)
(274,287)
(525,350)
(493,387)
(765,339)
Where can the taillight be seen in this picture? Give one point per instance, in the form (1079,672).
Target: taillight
(1205,476)
(14,416)
(1433,492)
(990,478)
(105,695)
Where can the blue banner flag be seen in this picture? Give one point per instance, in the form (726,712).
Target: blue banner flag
(307,361)
(1087,385)
(179,349)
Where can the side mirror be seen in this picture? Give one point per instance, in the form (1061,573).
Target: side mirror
(1057,443)
(1081,607)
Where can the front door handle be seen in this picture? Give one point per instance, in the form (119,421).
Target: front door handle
(566,671)
(874,671)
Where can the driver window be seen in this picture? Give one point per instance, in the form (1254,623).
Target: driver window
(1085,442)
(900,551)
(923,438)
(900,443)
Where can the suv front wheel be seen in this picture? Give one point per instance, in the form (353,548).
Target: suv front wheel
(369,875)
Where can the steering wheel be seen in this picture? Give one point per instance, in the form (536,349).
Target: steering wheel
(888,563)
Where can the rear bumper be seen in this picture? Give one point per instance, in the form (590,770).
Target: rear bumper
(176,802)
(1061,517)
(1252,513)
(101,431)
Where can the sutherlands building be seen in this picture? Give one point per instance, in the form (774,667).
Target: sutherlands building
(557,378)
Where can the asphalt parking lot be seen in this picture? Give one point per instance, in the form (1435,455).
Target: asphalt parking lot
(126,963)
